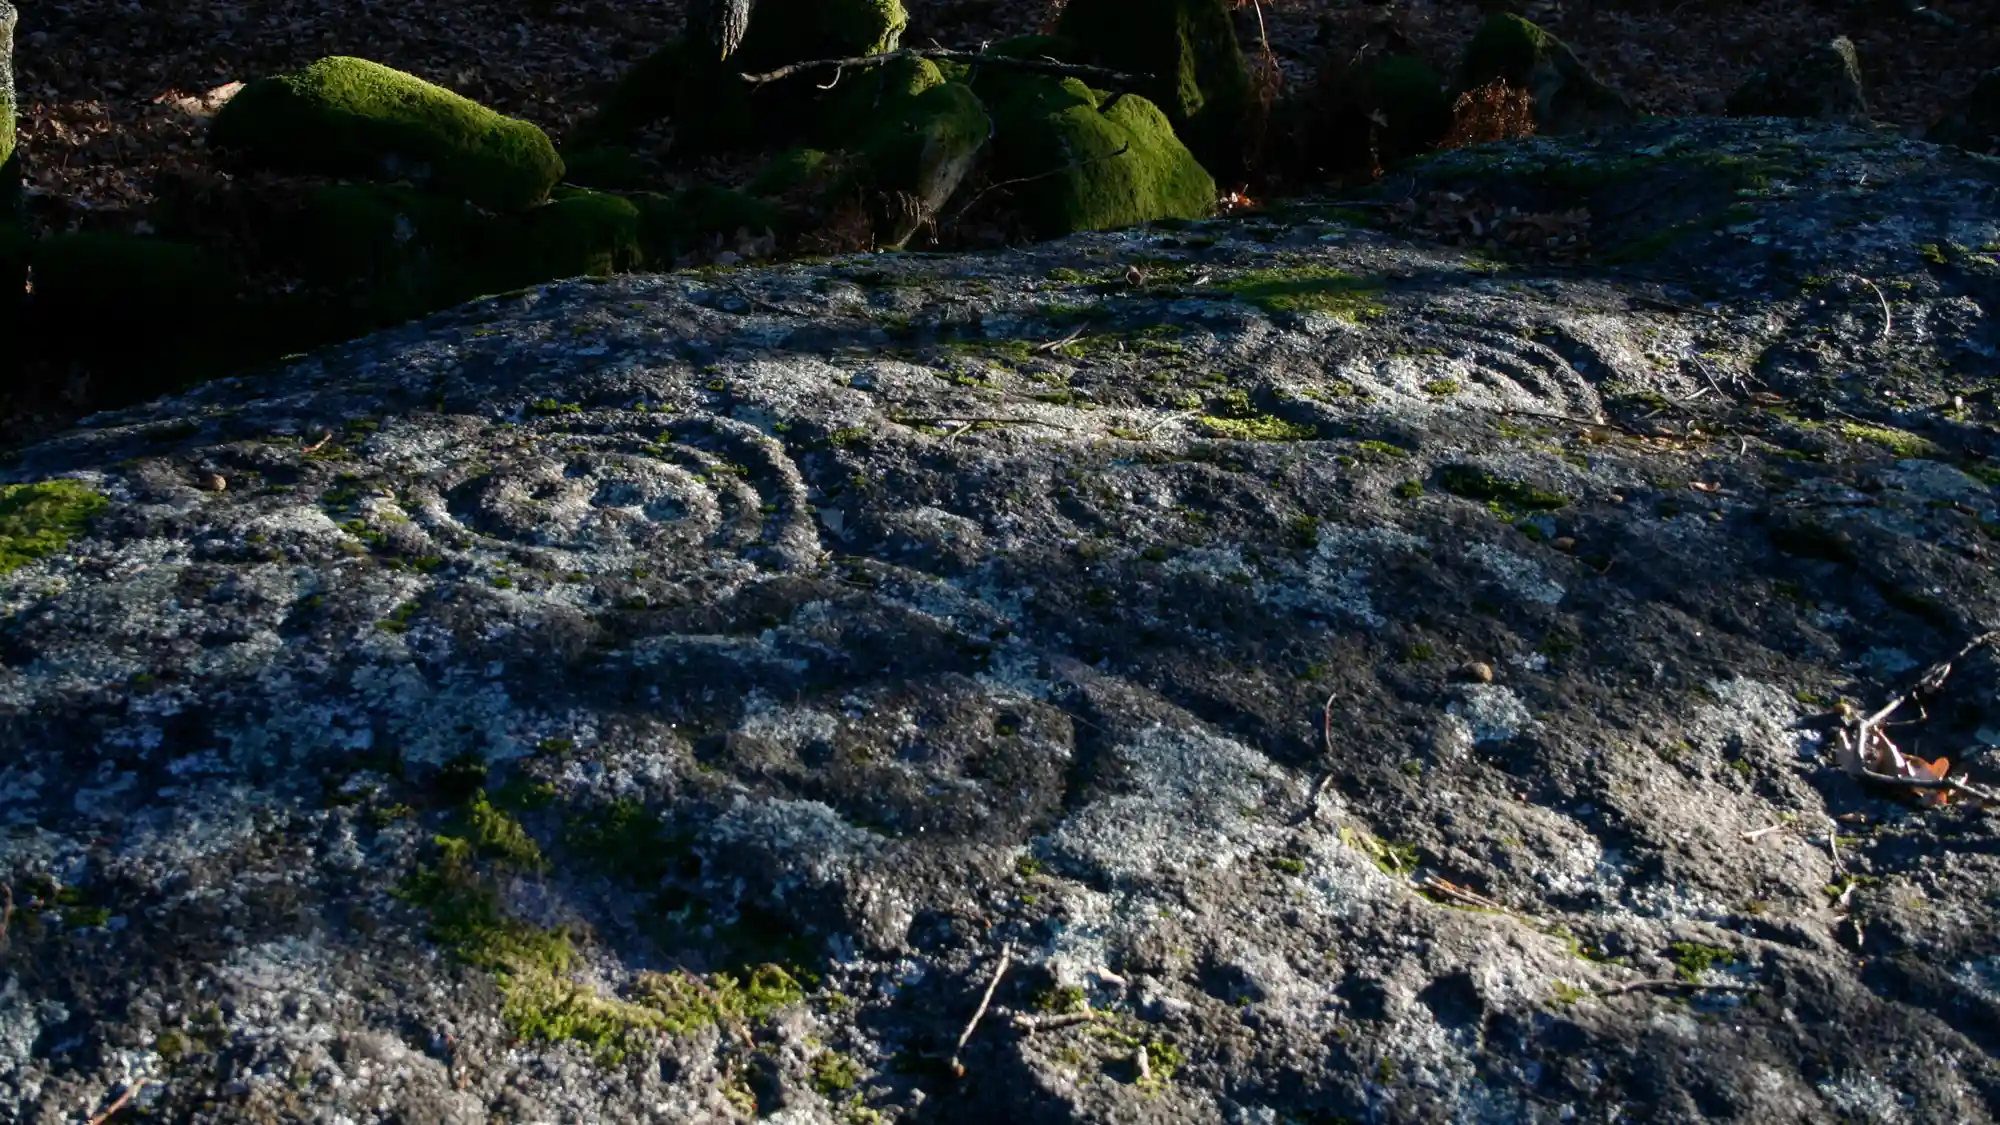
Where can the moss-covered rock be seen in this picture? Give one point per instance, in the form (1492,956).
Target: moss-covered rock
(1568,98)
(351,117)
(1973,122)
(1823,84)
(1089,161)
(915,137)
(1189,49)
(37,520)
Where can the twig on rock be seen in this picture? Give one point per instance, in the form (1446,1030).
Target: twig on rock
(999,970)
(1674,985)
(1887,320)
(117,1104)
(1040,66)
(1855,752)
(1047,346)
(1033,1024)
(1311,809)
(1606,424)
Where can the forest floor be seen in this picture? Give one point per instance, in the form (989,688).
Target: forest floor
(111,92)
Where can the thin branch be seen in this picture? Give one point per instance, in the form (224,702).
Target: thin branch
(1033,1024)
(1311,809)
(1985,796)
(999,970)
(1040,66)
(1887,320)
(1576,421)
(1674,985)
(1048,346)
(116,1105)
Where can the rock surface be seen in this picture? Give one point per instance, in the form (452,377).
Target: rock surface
(445,728)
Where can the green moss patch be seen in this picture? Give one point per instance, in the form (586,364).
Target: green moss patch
(1902,443)
(38,520)
(1235,417)
(1307,289)
(1691,959)
(540,1001)
(1478,484)
(350,117)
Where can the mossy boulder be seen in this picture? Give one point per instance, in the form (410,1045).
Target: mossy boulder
(1568,98)
(1188,48)
(1973,122)
(1087,160)
(1823,84)
(350,117)
(914,137)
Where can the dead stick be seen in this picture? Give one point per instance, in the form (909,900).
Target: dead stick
(116,1105)
(1674,986)
(1887,320)
(1319,783)
(1043,66)
(1949,783)
(1050,1023)
(999,970)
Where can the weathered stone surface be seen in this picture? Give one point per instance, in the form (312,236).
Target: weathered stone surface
(1567,96)
(352,117)
(1823,84)
(1116,600)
